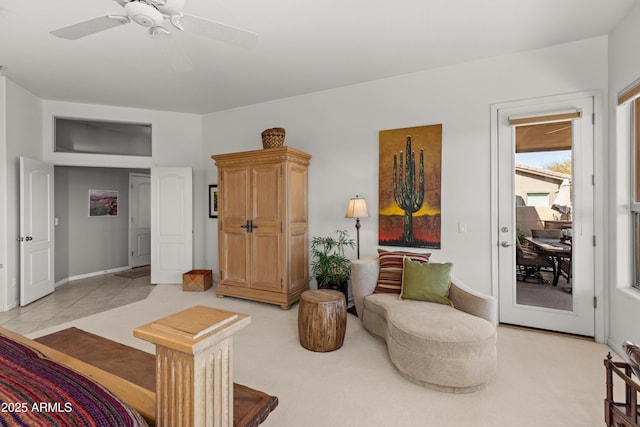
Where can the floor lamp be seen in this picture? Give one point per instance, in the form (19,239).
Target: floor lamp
(357,209)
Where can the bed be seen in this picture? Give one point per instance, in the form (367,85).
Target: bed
(36,390)
(41,385)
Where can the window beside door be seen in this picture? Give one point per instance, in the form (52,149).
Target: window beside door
(635,185)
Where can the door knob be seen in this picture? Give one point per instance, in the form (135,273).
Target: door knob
(28,238)
(506,244)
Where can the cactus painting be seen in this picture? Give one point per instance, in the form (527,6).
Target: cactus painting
(409,188)
(407,193)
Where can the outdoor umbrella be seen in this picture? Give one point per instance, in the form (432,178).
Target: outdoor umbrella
(562,203)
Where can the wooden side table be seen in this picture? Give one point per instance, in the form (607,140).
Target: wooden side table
(322,320)
(194,366)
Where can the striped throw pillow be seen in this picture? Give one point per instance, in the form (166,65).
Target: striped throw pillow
(391,264)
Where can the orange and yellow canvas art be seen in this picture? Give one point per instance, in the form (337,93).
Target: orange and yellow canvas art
(409,187)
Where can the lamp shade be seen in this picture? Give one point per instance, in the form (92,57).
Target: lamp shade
(357,208)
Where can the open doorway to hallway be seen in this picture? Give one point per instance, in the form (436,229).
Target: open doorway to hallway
(89,245)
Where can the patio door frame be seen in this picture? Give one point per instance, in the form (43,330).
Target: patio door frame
(598,167)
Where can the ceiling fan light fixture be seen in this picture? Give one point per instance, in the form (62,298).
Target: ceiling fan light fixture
(158,31)
(144,14)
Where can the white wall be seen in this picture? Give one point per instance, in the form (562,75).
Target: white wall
(4,241)
(177,142)
(624,69)
(23,137)
(340,127)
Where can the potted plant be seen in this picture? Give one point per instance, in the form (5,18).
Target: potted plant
(329,265)
(521,236)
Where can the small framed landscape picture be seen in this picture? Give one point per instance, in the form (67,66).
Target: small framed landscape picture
(103,203)
(213,201)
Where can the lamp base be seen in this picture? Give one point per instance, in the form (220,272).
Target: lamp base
(358,236)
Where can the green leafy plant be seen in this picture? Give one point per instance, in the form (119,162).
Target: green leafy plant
(520,235)
(329,265)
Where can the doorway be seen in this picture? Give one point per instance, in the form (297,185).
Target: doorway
(89,245)
(545,216)
(140,224)
(36,230)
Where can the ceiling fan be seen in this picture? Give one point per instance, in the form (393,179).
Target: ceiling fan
(153,14)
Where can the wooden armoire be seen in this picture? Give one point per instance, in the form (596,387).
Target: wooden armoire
(263,246)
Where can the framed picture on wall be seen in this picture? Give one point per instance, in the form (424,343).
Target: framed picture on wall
(213,201)
(103,203)
(409,189)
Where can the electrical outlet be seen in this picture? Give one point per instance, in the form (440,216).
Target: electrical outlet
(462,228)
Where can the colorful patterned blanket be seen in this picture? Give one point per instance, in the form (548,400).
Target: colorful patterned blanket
(36,391)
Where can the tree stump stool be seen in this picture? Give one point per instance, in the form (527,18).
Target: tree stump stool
(322,320)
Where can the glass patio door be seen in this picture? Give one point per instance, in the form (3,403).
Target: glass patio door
(561,237)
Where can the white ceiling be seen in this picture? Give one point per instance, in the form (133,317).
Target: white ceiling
(304,46)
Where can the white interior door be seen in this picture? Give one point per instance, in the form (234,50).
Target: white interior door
(36,230)
(580,318)
(140,222)
(171,224)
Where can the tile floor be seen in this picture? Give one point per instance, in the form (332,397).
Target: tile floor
(76,299)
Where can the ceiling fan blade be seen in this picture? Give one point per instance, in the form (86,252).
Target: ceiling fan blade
(91,26)
(171,50)
(218,31)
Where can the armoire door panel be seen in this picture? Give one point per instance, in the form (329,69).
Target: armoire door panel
(234,194)
(265,262)
(266,192)
(297,200)
(234,265)
(298,257)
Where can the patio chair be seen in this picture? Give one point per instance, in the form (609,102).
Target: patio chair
(529,264)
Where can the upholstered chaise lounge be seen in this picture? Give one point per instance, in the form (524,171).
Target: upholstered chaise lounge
(451,349)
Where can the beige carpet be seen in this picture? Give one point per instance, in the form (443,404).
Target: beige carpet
(543,380)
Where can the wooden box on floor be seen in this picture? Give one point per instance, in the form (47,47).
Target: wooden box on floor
(197,280)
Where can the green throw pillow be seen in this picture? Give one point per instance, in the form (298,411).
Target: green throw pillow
(426,281)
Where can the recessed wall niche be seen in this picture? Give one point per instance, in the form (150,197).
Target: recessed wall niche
(102,137)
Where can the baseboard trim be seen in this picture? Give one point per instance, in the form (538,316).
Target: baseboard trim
(88,275)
